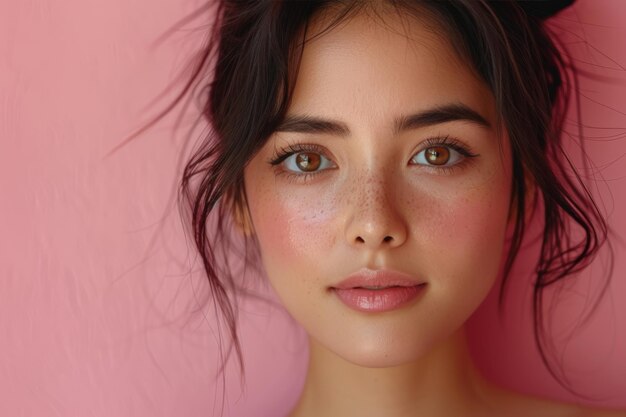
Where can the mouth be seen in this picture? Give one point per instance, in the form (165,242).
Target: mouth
(373,288)
(376,291)
(377,279)
(380,287)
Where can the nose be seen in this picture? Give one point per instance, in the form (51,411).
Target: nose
(375,217)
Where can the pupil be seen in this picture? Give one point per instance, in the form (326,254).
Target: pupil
(308,161)
(437,155)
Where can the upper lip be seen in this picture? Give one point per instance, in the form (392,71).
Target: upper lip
(377,278)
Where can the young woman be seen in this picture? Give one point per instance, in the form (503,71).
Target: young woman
(384,158)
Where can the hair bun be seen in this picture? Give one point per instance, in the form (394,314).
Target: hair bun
(544,9)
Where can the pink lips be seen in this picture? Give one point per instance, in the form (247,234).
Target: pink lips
(378,290)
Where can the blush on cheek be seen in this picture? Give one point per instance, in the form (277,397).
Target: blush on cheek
(297,231)
(463,223)
(481,222)
(475,240)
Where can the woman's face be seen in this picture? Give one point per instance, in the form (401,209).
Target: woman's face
(371,184)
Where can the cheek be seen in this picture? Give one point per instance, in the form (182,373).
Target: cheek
(467,219)
(292,228)
(476,220)
(296,234)
(462,243)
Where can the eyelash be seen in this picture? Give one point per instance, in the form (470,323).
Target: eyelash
(287,151)
(447,141)
(452,143)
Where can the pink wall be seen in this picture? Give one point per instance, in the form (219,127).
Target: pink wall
(96,306)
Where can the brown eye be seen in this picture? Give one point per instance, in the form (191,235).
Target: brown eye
(308,161)
(437,155)
(441,154)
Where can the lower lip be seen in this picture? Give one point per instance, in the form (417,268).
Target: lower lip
(384,299)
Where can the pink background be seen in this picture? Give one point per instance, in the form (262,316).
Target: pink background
(99,314)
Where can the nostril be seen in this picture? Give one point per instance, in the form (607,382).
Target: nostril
(387,239)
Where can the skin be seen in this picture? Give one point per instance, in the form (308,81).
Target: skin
(373,204)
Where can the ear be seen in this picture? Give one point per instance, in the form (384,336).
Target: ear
(241,215)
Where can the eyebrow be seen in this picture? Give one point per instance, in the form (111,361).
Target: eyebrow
(440,114)
(429,117)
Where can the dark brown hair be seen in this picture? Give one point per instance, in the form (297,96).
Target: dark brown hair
(251,62)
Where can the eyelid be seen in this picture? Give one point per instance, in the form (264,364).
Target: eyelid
(283,153)
(447,142)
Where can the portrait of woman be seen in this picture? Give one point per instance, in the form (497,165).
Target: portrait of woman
(381,168)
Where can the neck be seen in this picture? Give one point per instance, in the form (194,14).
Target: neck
(442,383)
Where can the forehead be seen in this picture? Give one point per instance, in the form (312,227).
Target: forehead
(375,67)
